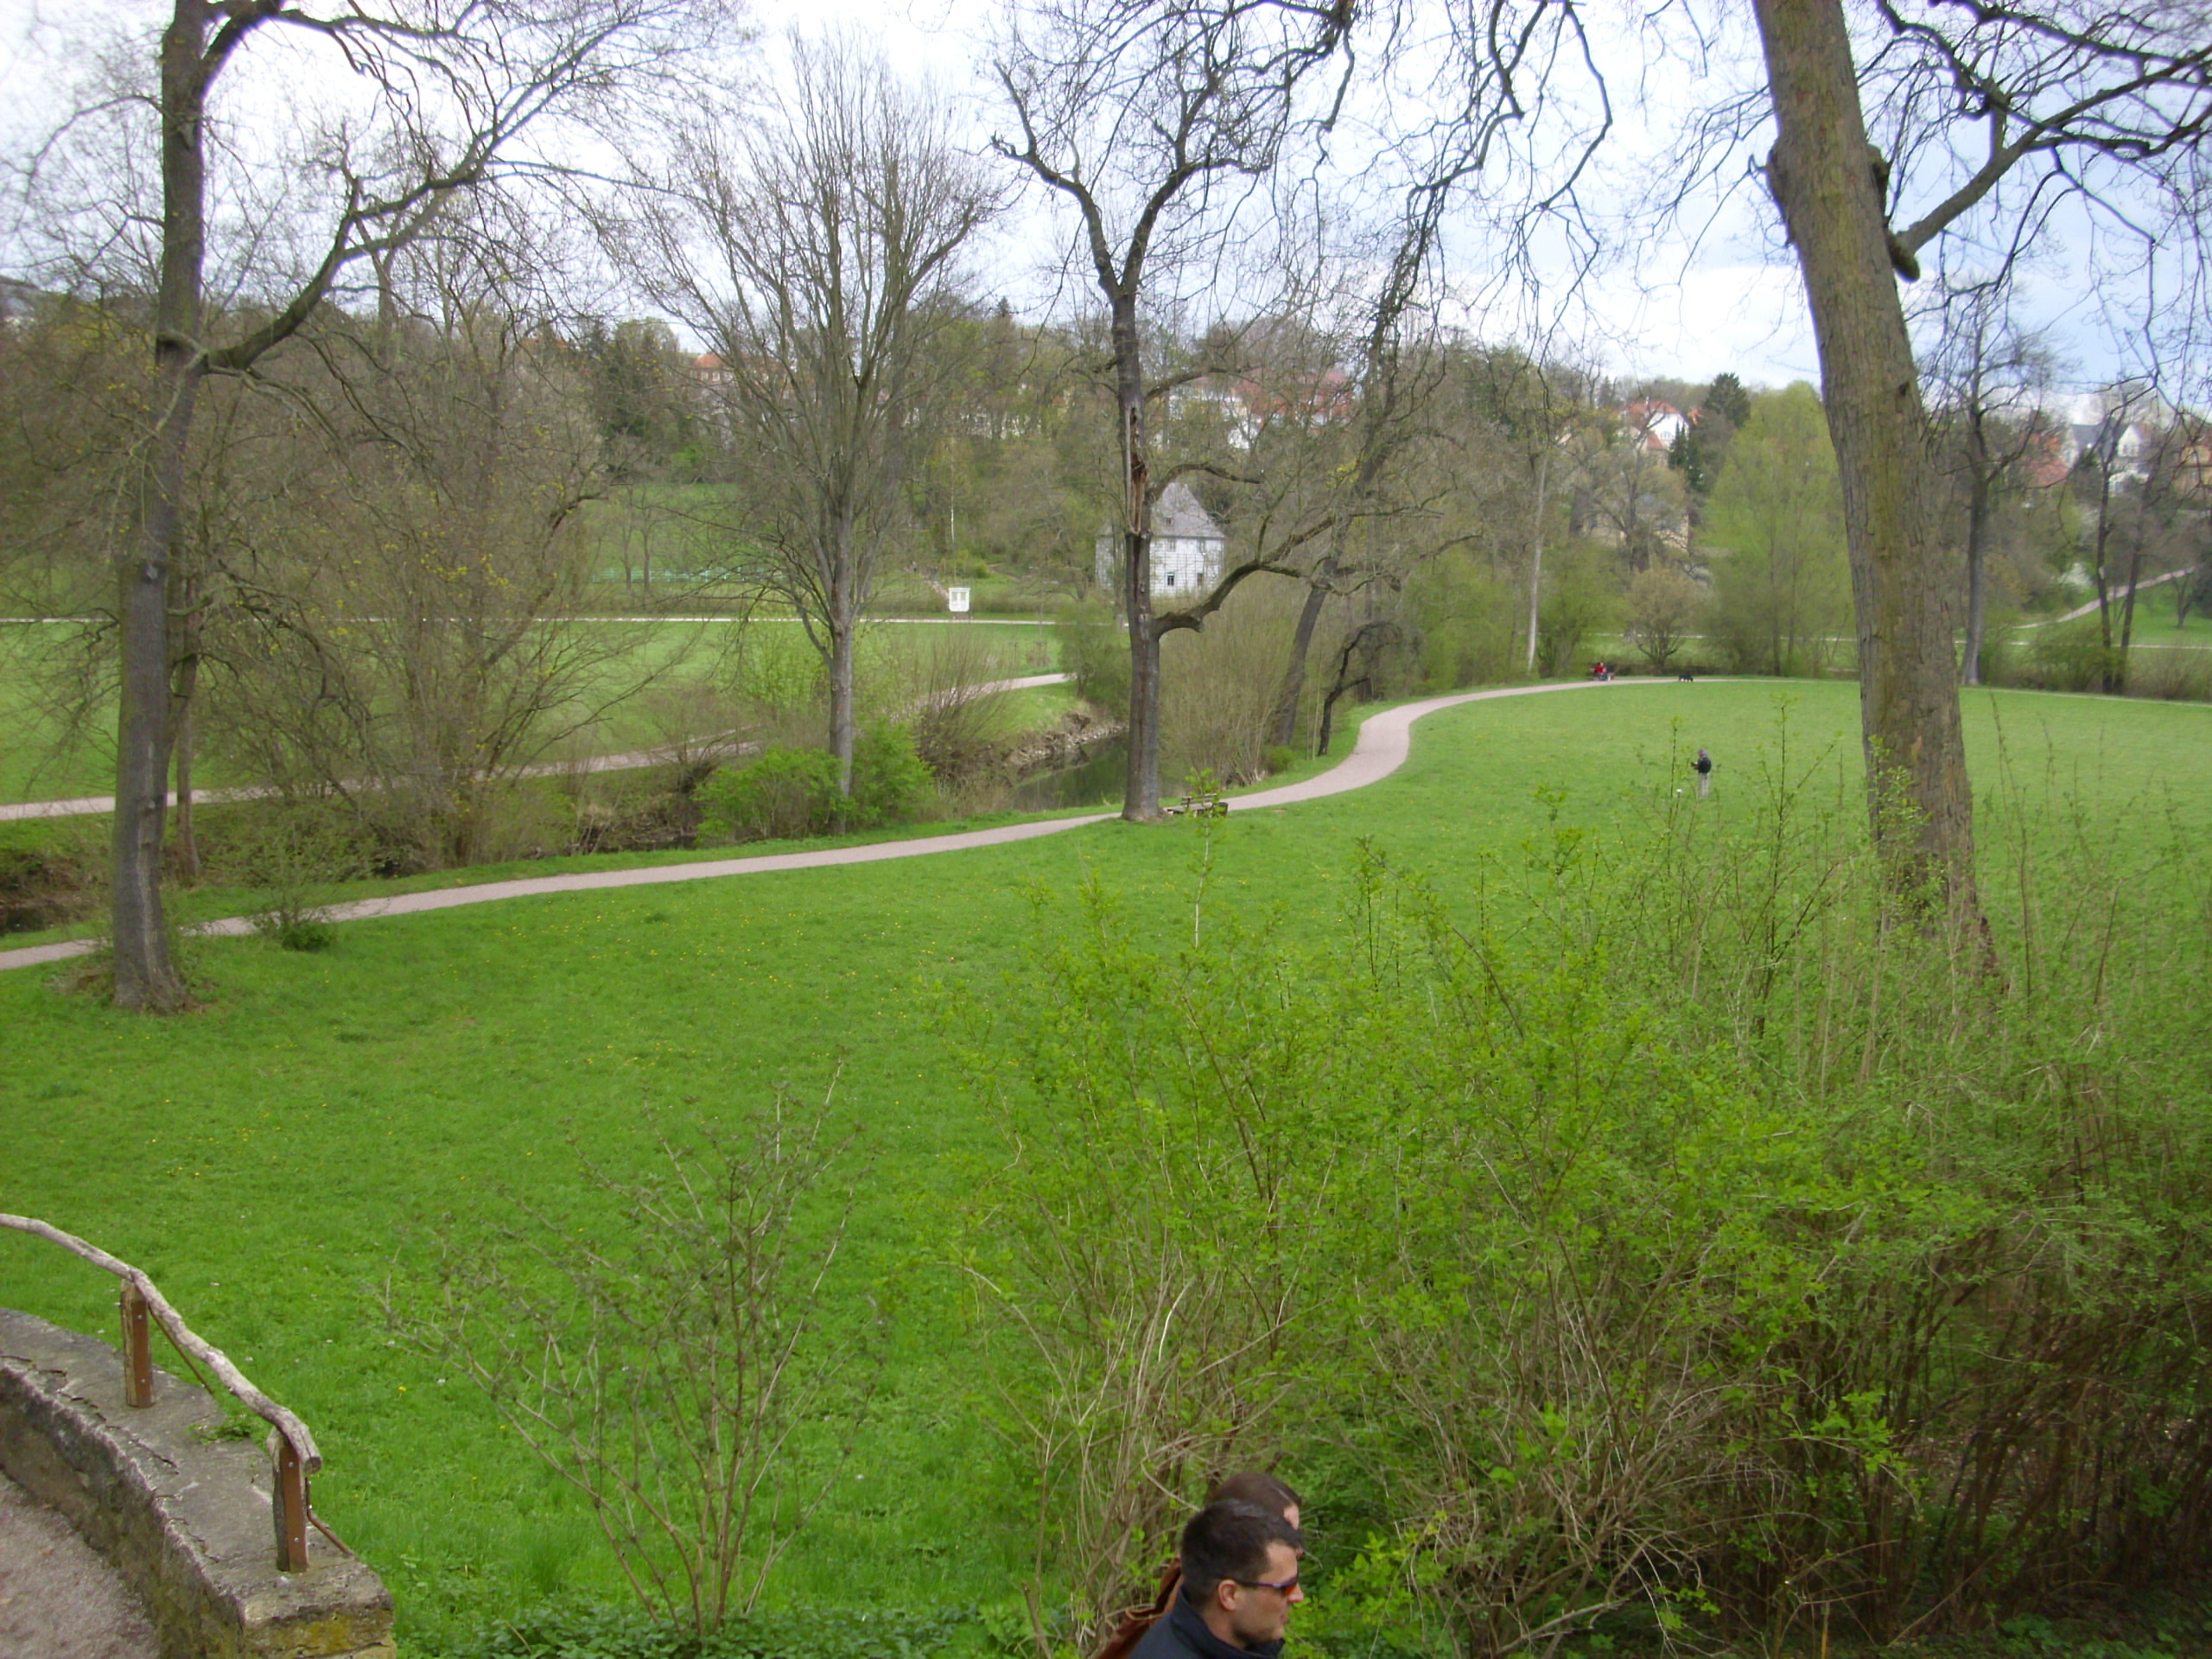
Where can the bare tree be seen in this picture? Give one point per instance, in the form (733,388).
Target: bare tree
(2064,94)
(2129,479)
(399,632)
(1398,370)
(450,93)
(1146,119)
(819,251)
(1537,408)
(1664,604)
(1987,371)
(1630,495)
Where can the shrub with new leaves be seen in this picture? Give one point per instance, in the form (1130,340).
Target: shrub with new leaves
(681,1356)
(1676,1225)
(787,793)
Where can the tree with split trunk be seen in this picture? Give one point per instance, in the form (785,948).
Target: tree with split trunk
(2108,479)
(1996,109)
(1537,410)
(441,100)
(820,253)
(1154,123)
(1987,372)
(2149,516)
(1399,373)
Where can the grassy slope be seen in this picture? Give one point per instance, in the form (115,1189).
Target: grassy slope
(2154,625)
(265,1157)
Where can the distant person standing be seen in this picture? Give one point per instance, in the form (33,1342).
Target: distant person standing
(1704,765)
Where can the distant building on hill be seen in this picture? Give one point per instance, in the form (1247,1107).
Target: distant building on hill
(1187,546)
(1656,425)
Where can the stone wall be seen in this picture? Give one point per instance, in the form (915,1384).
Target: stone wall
(187,1520)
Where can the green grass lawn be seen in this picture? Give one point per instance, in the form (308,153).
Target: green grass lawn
(34,766)
(269,1157)
(2154,623)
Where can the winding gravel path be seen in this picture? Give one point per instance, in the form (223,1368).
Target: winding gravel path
(1385,738)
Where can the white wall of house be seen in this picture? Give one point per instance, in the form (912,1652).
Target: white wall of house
(1179,563)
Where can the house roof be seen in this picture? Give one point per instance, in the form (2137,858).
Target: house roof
(1653,423)
(1179,514)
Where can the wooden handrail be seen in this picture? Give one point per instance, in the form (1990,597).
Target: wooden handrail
(295,1456)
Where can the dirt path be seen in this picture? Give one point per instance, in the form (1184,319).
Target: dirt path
(1385,738)
(2117,598)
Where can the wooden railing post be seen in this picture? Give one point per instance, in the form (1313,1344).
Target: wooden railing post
(137,1349)
(292,1449)
(291,1508)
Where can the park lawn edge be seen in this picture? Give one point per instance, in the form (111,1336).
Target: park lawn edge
(191,908)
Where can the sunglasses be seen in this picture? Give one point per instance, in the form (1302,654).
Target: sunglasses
(1282,1589)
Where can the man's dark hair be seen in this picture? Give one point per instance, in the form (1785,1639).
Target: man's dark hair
(1230,1540)
(1263,1490)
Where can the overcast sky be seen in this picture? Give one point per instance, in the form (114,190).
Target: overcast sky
(1732,301)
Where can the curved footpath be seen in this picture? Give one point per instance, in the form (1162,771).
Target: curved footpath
(1385,740)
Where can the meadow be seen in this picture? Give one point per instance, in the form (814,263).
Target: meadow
(275,1157)
(50,749)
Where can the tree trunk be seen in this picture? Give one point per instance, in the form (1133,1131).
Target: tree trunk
(145,977)
(1301,642)
(1979,506)
(186,846)
(1140,793)
(2097,568)
(1536,553)
(1822,174)
(843,621)
(2127,610)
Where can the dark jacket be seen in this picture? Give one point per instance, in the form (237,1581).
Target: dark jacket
(1184,1635)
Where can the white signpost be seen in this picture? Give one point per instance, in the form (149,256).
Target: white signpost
(956,600)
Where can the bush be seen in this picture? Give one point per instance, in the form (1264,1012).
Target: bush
(2073,657)
(782,795)
(673,1360)
(1669,1228)
(1664,606)
(1222,686)
(606,1633)
(788,793)
(961,737)
(1576,604)
(1467,622)
(291,856)
(2068,657)
(2175,676)
(890,782)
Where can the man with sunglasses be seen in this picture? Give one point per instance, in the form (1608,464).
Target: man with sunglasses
(1240,1581)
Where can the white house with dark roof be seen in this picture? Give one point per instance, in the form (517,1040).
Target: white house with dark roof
(1187,546)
